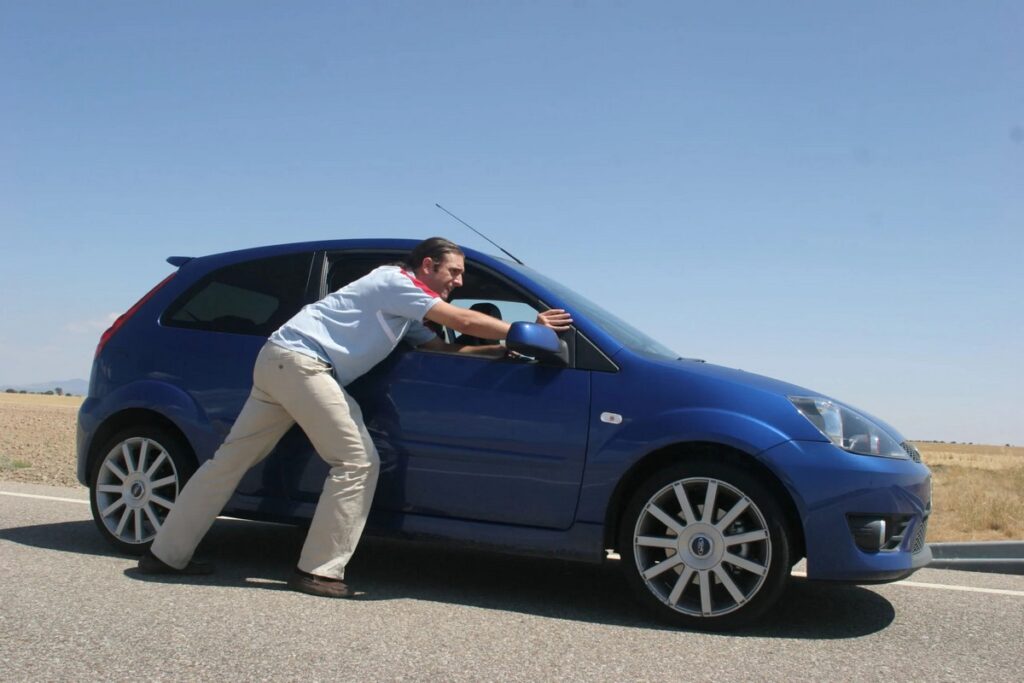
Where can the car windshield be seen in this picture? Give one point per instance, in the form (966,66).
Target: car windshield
(624,333)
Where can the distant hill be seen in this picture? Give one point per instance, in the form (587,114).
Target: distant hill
(68,386)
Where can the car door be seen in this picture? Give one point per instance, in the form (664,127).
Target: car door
(467,437)
(480,439)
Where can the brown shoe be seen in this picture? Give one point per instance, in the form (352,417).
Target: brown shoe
(151,564)
(319,585)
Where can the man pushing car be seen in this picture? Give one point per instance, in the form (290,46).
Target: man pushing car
(299,378)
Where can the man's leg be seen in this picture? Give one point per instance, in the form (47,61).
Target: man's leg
(334,424)
(260,425)
(345,501)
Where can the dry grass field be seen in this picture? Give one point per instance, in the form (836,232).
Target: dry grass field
(978,491)
(37,438)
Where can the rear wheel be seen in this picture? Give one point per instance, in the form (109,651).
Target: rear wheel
(135,483)
(704,546)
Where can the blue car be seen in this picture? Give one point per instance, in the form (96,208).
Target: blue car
(710,483)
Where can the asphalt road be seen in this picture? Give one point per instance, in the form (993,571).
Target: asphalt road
(71,609)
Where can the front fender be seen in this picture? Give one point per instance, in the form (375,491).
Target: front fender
(615,449)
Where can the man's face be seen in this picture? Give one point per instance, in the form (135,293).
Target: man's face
(443,276)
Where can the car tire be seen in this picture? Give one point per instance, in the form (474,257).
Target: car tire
(134,482)
(703,569)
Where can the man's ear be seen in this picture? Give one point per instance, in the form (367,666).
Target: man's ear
(426,265)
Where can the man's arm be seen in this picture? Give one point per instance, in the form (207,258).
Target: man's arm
(484,326)
(467,322)
(489,351)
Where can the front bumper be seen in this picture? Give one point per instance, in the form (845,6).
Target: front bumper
(835,490)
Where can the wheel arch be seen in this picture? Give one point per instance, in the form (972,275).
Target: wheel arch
(134,417)
(700,450)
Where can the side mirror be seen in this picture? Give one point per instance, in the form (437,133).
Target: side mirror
(531,339)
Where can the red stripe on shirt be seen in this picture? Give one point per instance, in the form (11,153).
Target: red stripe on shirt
(416,281)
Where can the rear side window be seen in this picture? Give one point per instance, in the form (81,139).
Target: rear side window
(351,267)
(255,297)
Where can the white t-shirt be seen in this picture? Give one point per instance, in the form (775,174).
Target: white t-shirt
(357,326)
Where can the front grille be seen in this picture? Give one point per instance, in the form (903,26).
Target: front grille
(912,451)
(918,544)
(922,528)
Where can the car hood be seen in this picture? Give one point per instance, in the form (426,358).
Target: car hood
(718,382)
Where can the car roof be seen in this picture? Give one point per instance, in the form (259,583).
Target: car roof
(397,244)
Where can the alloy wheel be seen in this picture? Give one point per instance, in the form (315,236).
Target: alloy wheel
(702,547)
(135,487)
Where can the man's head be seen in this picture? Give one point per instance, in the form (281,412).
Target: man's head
(439,264)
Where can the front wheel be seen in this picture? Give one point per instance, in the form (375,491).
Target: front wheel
(704,545)
(134,484)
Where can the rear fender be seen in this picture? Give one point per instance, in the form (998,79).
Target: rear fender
(163,400)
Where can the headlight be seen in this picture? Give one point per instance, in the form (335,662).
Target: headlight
(847,428)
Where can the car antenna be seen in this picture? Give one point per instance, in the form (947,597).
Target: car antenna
(479,233)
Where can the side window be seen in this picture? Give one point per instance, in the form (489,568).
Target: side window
(255,297)
(488,294)
(345,268)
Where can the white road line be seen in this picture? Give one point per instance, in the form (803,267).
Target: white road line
(942,586)
(85,502)
(969,589)
(32,495)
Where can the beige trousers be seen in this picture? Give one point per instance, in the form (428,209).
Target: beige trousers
(288,387)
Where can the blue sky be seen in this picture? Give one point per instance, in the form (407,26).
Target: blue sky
(828,193)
